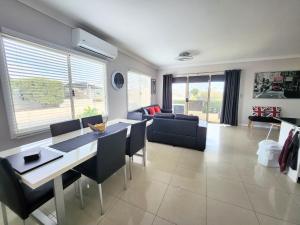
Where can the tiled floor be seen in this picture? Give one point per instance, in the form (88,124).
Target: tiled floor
(222,186)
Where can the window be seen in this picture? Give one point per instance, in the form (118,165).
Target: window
(46,86)
(88,86)
(138,90)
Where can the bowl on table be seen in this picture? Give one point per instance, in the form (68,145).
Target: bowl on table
(100,127)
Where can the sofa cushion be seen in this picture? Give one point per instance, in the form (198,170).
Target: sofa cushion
(157,109)
(151,110)
(164,115)
(186,117)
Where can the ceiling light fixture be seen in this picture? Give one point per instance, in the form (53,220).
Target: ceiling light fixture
(184,56)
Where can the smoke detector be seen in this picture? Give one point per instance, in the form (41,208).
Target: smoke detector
(184,56)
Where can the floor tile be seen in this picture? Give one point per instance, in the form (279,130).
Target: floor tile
(146,173)
(219,213)
(114,185)
(284,183)
(160,221)
(183,207)
(189,180)
(275,203)
(176,181)
(126,214)
(228,191)
(267,220)
(193,160)
(13,219)
(221,169)
(145,194)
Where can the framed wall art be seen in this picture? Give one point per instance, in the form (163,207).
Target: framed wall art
(277,85)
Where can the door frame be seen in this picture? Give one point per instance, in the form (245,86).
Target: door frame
(187,91)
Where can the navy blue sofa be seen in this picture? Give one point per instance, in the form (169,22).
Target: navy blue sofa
(178,130)
(142,113)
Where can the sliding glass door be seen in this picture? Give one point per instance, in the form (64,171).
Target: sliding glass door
(215,99)
(179,93)
(199,95)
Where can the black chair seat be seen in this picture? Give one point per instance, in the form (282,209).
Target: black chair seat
(37,197)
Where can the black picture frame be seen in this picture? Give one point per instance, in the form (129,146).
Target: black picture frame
(153,86)
(277,85)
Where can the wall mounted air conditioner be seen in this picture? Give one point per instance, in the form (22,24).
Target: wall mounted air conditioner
(87,42)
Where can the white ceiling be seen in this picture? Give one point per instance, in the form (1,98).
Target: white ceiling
(157,30)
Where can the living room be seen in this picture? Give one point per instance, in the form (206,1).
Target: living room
(207,91)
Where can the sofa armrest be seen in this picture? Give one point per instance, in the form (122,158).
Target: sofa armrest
(135,115)
(166,110)
(147,117)
(201,137)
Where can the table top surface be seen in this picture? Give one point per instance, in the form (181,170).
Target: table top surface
(293,121)
(49,171)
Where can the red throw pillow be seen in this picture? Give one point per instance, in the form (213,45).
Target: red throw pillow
(157,109)
(151,110)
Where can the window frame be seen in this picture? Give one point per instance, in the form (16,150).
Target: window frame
(127,97)
(6,83)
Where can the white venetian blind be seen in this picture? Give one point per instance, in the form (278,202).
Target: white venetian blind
(39,85)
(88,86)
(138,90)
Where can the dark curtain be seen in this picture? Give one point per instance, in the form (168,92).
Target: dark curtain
(167,91)
(230,106)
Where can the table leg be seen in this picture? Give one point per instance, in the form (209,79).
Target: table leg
(59,200)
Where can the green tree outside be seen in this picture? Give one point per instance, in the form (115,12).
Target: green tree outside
(46,92)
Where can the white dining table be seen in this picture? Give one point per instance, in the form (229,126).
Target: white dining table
(53,171)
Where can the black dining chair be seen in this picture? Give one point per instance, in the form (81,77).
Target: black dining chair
(91,120)
(136,142)
(64,127)
(109,159)
(20,198)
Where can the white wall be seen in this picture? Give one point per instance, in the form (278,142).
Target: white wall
(18,17)
(290,107)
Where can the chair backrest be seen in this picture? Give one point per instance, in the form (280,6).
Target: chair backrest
(92,120)
(137,137)
(11,191)
(64,127)
(110,154)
